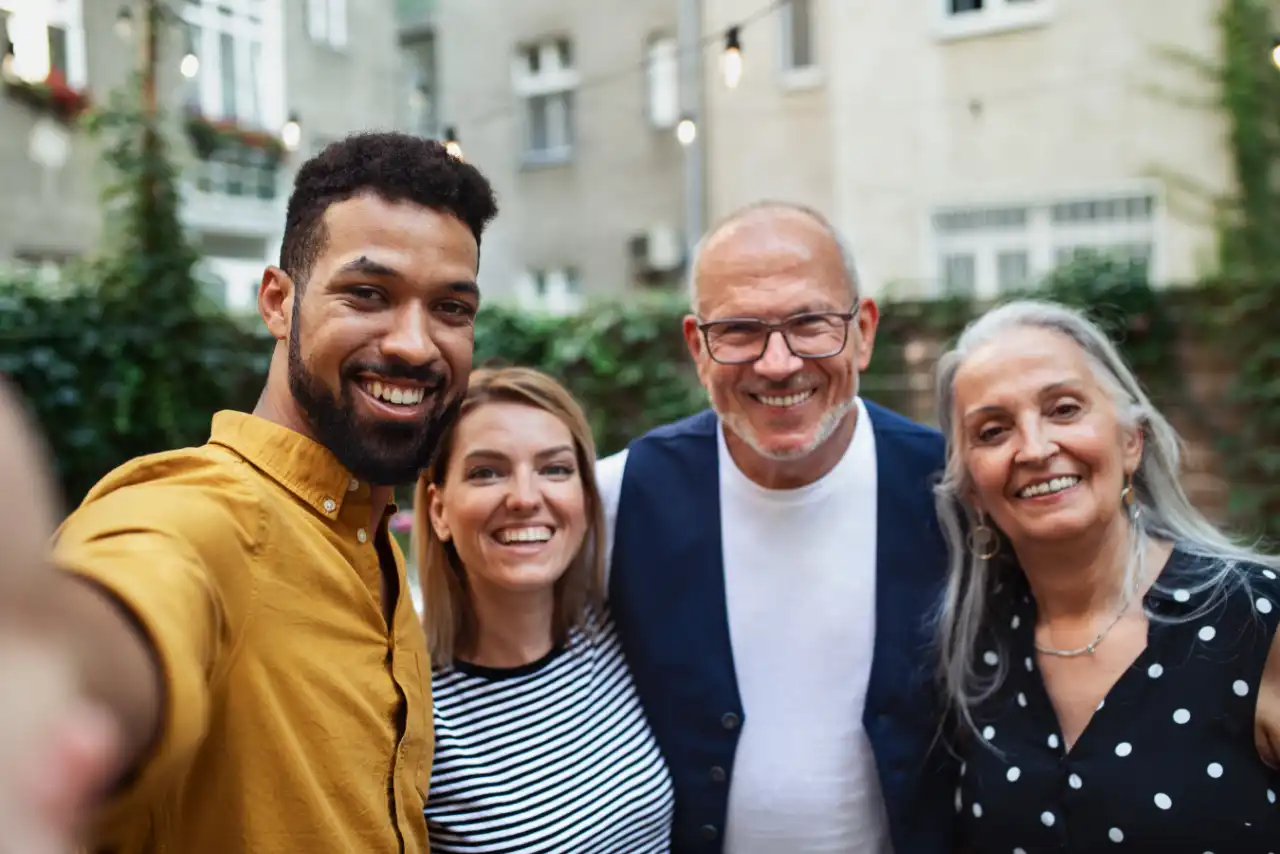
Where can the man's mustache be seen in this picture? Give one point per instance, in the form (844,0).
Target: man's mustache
(423,375)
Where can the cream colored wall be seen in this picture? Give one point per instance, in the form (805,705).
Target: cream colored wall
(1060,110)
(770,137)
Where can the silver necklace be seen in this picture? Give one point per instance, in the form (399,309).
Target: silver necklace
(1088,648)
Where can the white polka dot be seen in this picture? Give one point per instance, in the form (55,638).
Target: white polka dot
(1264,605)
(964,766)
(1015,622)
(1053,740)
(1075,781)
(988,732)
(1115,834)
(1240,687)
(959,801)
(1100,705)
(1181,596)
(1214,770)
(991,658)
(1208,633)
(1019,851)
(1124,748)
(1030,664)
(1013,774)
(977,810)
(1181,716)
(1269,574)
(1155,671)
(1163,801)
(1022,699)
(1271,795)
(1046,818)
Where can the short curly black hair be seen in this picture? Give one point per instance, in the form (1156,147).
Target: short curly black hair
(397,167)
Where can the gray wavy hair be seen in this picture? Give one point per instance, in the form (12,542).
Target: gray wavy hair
(1165,511)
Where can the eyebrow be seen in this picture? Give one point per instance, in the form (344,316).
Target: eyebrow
(365,266)
(1050,389)
(491,453)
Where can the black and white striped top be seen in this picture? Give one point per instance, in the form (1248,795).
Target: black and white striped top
(554,757)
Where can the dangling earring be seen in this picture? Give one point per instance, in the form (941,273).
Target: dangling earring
(983,540)
(1129,498)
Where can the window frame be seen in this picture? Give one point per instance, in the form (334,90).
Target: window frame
(996,16)
(555,80)
(32,60)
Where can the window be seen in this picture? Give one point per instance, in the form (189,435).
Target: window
(555,291)
(545,80)
(227,39)
(47,38)
(989,250)
(798,36)
(980,17)
(418,63)
(327,22)
(664,82)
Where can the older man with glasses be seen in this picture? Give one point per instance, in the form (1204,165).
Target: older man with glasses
(774,562)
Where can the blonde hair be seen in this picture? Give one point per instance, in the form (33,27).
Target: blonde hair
(448,616)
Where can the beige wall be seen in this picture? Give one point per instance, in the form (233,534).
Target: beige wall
(770,137)
(1060,110)
(624,176)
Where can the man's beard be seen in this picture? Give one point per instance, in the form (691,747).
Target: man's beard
(379,452)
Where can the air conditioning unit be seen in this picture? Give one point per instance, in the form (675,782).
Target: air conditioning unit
(659,249)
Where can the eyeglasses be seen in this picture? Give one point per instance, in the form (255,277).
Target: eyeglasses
(813,335)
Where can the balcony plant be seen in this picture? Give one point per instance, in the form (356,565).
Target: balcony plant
(211,136)
(53,95)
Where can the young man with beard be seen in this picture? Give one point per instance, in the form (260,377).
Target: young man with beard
(238,610)
(775,562)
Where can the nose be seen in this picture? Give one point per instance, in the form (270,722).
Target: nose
(778,362)
(409,338)
(1037,445)
(523,496)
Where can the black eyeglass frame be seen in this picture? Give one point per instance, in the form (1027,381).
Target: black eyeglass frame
(847,317)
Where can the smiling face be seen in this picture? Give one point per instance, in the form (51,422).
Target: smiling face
(772,265)
(512,503)
(380,338)
(1039,433)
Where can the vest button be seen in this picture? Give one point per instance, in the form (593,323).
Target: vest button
(709,832)
(717,774)
(729,721)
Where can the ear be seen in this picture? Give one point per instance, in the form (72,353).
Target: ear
(1131,444)
(868,322)
(435,512)
(275,302)
(693,338)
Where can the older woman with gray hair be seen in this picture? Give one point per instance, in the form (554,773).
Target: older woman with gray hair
(1110,655)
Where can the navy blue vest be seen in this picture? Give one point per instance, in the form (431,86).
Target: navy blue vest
(667,593)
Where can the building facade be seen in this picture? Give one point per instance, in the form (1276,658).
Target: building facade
(969,146)
(570,109)
(252,87)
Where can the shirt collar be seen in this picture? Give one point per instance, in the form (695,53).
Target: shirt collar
(303,466)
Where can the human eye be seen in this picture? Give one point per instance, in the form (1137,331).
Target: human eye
(560,470)
(456,311)
(988,433)
(481,473)
(366,294)
(1066,408)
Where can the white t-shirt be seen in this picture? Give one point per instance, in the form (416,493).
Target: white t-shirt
(800,579)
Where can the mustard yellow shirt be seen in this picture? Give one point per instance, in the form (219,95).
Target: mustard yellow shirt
(295,722)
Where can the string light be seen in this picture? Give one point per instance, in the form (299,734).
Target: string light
(1275,52)
(686,131)
(291,133)
(6,65)
(451,144)
(190,66)
(731,60)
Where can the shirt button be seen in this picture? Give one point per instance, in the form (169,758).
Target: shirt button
(362,536)
(330,505)
(717,774)
(729,721)
(353,485)
(709,832)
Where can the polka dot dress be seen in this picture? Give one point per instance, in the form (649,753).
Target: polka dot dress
(1167,763)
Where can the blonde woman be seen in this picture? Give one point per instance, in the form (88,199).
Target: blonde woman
(541,743)
(1113,656)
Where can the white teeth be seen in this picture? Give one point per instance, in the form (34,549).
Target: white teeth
(395,394)
(524,535)
(785,400)
(1048,487)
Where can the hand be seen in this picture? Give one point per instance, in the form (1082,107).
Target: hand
(55,748)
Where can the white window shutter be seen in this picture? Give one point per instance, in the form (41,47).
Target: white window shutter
(317,20)
(338,23)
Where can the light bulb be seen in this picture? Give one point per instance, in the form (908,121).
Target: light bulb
(731,60)
(1275,55)
(291,133)
(451,144)
(686,131)
(190,66)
